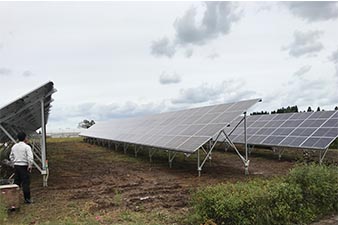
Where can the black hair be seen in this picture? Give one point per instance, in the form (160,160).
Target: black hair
(21,136)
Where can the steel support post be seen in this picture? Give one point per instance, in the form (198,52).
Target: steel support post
(280,153)
(151,153)
(210,155)
(7,133)
(171,158)
(137,149)
(246,164)
(322,154)
(198,163)
(125,147)
(43,145)
(251,148)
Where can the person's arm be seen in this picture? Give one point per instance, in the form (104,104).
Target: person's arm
(11,156)
(30,157)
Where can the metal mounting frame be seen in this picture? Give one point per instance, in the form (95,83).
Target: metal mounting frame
(322,154)
(245,159)
(38,108)
(206,149)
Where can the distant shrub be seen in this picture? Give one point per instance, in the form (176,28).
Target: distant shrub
(302,196)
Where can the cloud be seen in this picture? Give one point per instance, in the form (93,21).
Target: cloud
(189,52)
(213,56)
(334,57)
(166,78)
(217,20)
(71,115)
(313,11)
(303,70)
(304,44)
(226,91)
(27,73)
(310,92)
(163,47)
(5,71)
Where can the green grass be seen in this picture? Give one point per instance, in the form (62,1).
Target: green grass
(3,211)
(64,140)
(308,193)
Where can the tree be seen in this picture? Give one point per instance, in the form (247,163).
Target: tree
(260,113)
(86,124)
(318,109)
(289,109)
(309,109)
(336,108)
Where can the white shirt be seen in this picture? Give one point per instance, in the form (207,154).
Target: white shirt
(21,154)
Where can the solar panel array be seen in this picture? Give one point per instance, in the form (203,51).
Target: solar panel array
(312,130)
(185,130)
(24,114)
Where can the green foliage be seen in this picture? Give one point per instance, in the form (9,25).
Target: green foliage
(260,113)
(86,124)
(319,187)
(289,109)
(299,198)
(334,144)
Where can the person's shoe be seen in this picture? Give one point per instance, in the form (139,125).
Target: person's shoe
(28,201)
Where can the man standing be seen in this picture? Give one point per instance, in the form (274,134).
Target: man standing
(22,157)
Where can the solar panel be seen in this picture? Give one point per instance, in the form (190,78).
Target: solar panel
(24,114)
(29,113)
(185,130)
(312,130)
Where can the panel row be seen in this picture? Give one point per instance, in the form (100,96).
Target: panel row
(184,130)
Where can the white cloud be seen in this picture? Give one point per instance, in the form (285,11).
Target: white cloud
(334,57)
(217,20)
(314,11)
(73,114)
(303,70)
(163,47)
(5,71)
(213,56)
(226,91)
(304,44)
(27,73)
(166,78)
(311,92)
(189,52)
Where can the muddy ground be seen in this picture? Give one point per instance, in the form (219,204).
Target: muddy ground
(88,181)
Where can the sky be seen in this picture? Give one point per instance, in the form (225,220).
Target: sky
(123,59)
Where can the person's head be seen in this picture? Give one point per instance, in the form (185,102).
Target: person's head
(21,136)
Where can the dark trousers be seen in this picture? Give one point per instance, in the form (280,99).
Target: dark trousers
(22,179)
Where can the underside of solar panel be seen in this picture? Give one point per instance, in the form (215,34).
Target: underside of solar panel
(184,131)
(24,114)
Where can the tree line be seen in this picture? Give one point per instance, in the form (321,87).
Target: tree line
(289,109)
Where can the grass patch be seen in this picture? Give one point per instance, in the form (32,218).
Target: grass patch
(3,211)
(59,140)
(307,193)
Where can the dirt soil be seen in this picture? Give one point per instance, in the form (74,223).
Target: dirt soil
(91,181)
